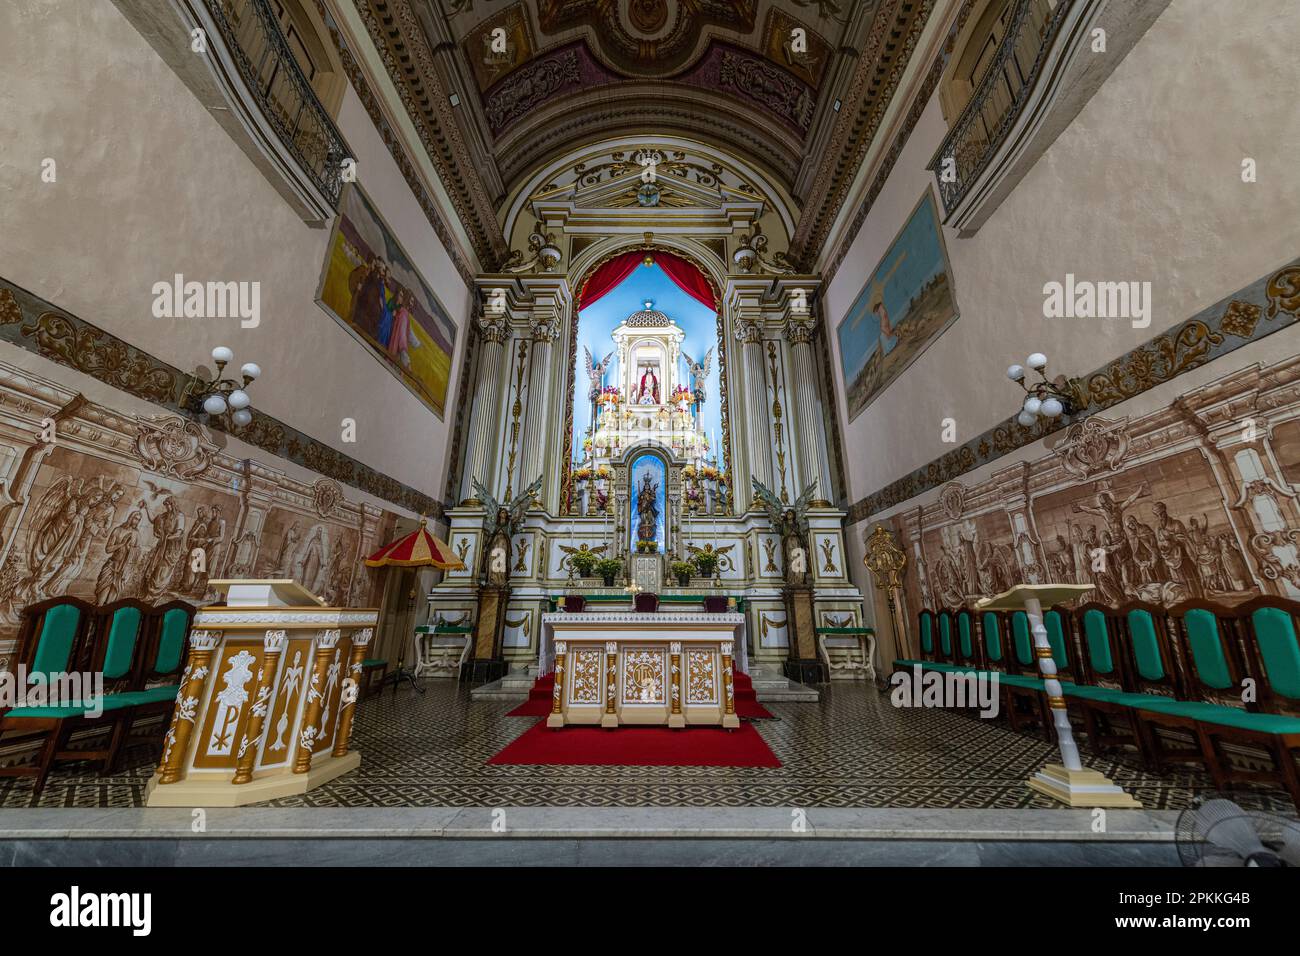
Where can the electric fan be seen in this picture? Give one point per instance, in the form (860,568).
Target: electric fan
(1217,832)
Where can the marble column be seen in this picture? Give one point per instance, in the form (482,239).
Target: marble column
(808,432)
(485,433)
(539,429)
(758,414)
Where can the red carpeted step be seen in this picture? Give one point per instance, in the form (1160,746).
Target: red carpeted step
(538,703)
(639,747)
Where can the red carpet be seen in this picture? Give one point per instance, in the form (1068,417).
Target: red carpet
(639,747)
(538,703)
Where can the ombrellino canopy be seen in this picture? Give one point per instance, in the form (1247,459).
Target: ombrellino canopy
(417,550)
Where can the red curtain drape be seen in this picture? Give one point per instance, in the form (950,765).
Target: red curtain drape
(608,276)
(611,273)
(686,277)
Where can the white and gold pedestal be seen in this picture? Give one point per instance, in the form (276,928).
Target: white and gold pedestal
(619,669)
(267,698)
(1067,781)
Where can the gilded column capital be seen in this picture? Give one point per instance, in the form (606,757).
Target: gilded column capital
(274,641)
(799,331)
(204,640)
(493,328)
(749,332)
(545,331)
(330,638)
(362,637)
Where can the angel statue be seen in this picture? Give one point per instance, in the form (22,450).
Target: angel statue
(596,373)
(791,523)
(500,523)
(699,372)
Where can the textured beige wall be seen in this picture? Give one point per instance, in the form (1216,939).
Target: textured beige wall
(1145,184)
(150,185)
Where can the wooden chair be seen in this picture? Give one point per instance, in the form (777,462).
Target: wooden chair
(56,637)
(1026,703)
(165,653)
(966,648)
(1271,643)
(925,630)
(1099,696)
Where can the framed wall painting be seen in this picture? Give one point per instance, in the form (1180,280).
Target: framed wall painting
(906,303)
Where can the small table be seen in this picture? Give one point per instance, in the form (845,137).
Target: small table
(1067,781)
(863,641)
(441,647)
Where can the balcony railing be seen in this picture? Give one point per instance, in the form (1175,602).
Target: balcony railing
(267,66)
(1000,97)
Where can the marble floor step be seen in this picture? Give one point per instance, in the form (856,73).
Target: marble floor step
(784,691)
(504,689)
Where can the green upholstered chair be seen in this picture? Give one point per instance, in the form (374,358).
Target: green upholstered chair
(165,651)
(944,651)
(925,625)
(966,646)
(1100,692)
(1059,624)
(993,643)
(1270,632)
(1026,705)
(57,637)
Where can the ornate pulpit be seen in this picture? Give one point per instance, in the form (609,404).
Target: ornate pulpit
(267,698)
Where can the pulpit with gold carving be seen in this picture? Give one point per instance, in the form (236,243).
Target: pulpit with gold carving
(267,698)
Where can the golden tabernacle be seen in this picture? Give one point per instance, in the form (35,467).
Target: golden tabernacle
(662,669)
(267,698)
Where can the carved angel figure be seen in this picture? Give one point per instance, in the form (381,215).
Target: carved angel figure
(596,372)
(699,372)
(791,523)
(500,522)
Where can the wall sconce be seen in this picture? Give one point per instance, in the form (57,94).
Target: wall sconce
(1043,399)
(224,394)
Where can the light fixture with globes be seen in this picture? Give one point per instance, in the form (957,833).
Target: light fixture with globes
(1043,399)
(225,395)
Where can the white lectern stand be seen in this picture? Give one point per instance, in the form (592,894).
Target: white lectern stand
(1067,781)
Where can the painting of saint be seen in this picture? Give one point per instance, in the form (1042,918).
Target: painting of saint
(371,286)
(906,303)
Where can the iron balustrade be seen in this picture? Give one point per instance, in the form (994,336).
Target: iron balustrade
(284,94)
(1000,97)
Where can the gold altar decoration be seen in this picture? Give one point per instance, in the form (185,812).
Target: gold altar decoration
(886,561)
(267,700)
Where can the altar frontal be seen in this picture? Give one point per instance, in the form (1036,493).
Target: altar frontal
(662,669)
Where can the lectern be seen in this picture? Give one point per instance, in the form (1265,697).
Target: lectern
(266,700)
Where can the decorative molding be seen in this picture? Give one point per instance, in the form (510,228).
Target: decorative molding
(37,326)
(641,620)
(1206,336)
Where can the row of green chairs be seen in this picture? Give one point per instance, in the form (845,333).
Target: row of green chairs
(1215,674)
(139,650)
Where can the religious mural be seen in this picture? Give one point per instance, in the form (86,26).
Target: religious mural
(114,506)
(906,304)
(371,286)
(1190,501)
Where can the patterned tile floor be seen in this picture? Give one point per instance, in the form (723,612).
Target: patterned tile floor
(852,749)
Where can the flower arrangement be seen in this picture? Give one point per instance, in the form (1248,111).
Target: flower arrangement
(681,394)
(709,473)
(647,547)
(608,569)
(610,395)
(604,471)
(682,570)
(586,444)
(581,474)
(688,472)
(584,562)
(706,562)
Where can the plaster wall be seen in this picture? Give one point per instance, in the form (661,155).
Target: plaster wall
(1144,185)
(149,185)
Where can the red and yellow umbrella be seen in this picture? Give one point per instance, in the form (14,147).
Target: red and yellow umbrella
(417,550)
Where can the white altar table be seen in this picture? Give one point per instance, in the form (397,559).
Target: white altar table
(617,668)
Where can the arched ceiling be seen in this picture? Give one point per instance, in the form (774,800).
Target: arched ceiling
(501,88)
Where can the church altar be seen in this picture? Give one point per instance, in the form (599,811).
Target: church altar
(617,668)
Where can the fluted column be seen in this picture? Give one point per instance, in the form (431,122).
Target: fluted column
(809,432)
(194,682)
(326,648)
(485,435)
(536,418)
(351,691)
(757,407)
(273,645)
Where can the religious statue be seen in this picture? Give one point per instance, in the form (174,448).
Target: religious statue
(596,373)
(699,372)
(648,388)
(791,523)
(498,529)
(647,510)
